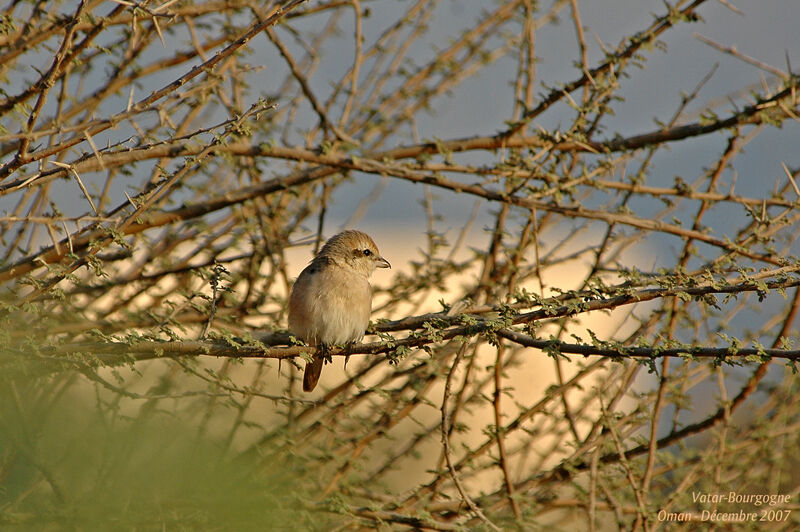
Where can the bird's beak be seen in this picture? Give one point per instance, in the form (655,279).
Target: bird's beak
(380,262)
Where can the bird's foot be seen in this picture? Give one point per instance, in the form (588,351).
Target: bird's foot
(347,352)
(325,354)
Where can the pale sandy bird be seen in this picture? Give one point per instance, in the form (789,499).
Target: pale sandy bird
(331,300)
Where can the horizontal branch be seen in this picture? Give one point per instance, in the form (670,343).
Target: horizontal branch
(442,327)
(623,352)
(114,353)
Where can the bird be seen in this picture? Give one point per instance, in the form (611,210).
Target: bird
(331,300)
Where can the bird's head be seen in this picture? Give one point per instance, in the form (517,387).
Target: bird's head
(355,250)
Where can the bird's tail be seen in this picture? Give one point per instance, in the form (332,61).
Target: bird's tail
(312,373)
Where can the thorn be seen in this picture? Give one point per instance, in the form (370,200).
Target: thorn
(791,179)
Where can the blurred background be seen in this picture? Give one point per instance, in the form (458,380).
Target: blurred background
(497,152)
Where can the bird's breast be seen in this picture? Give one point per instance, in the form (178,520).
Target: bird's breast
(330,306)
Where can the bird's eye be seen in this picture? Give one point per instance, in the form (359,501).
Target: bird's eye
(367,253)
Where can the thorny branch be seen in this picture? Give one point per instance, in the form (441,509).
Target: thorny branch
(564,372)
